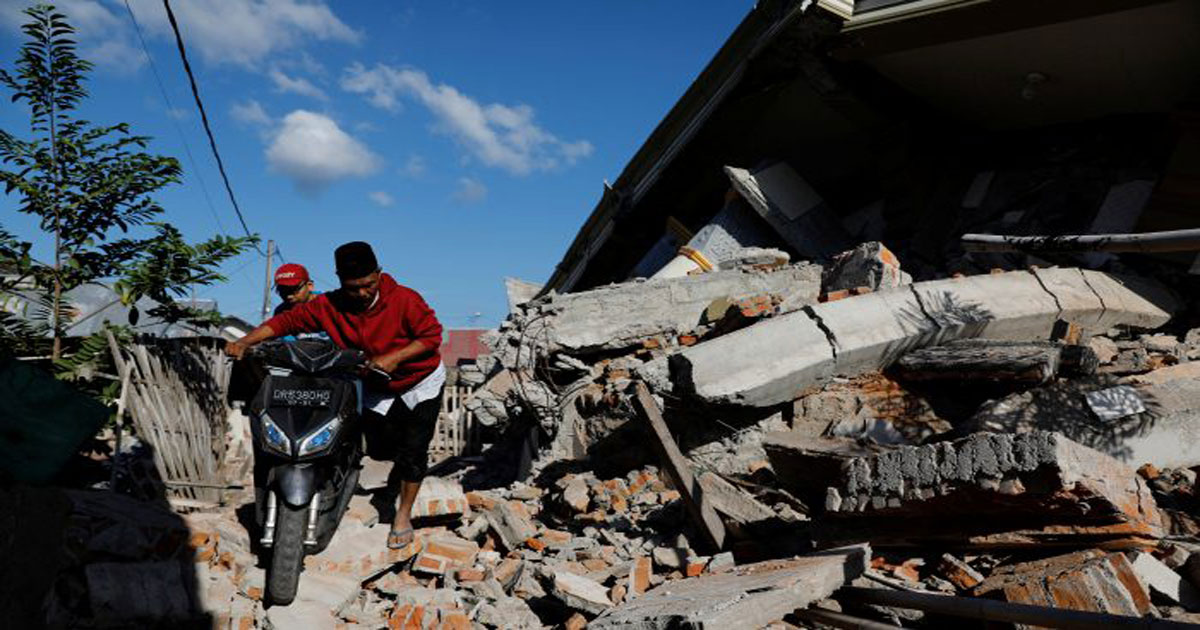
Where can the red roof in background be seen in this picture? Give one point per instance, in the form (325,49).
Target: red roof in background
(462,344)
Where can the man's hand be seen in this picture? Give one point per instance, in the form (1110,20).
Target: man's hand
(385,363)
(236,349)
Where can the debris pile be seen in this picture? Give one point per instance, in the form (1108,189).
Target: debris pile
(763,442)
(742,440)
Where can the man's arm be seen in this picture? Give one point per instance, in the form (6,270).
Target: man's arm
(237,349)
(390,361)
(421,320)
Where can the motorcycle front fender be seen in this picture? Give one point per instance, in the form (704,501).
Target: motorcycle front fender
(296,483)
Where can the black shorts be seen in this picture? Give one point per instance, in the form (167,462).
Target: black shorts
(403,435)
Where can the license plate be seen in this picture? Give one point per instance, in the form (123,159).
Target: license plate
(302,397)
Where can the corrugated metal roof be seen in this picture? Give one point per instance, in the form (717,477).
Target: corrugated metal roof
(93,305)
(462,344)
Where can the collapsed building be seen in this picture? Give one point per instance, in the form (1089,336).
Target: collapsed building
(767,385)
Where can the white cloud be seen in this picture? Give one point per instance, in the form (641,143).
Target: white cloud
(381,198)
(242,32)
(313,151)
(178,113)
(470,190)
(104,36)
(414,167)
(115,54)
(87,16)
(296,85)
(248,31)
(309,64)
(251,113)
(498,135)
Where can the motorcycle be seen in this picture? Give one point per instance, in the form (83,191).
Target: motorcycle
(306,421)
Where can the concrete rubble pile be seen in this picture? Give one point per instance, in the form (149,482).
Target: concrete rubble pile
(759,443)
(764,444)
(1023,437)
(575,550)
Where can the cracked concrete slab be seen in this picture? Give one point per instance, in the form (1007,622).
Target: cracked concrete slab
(1129,300)
(623,316)
(766,364)
(1007,306)
(875,329)
(774,360)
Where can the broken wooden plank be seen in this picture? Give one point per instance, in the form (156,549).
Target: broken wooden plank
(678,468)
(982,360)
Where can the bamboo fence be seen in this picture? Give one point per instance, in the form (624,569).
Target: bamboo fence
(175,391)
(457,432)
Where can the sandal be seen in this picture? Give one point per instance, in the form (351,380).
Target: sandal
(399,538)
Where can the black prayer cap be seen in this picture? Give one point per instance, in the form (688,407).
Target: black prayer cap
(354,260)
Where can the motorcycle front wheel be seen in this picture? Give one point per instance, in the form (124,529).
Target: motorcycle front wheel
(287,554)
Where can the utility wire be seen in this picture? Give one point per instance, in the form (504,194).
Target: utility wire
(179,130)
(187,67)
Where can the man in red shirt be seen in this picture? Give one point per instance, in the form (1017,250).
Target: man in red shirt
(399,332)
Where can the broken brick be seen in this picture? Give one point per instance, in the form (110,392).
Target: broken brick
(440,555)
(479,501)
(468,575)
(639,576)
(576,622)
(1088,580)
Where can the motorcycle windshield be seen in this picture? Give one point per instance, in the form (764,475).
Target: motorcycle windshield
(309,356)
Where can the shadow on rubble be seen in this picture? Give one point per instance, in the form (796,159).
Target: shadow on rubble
(1063,407)
(78,556)
(937,315)
(508,459)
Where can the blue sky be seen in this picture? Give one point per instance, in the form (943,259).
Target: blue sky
(467,141)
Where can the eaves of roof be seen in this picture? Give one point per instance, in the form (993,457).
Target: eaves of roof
(766,20)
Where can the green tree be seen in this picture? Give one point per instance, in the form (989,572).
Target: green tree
(90,187)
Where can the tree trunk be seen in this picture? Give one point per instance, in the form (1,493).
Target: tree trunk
(56,303)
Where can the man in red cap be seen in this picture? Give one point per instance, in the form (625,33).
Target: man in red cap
(294,286)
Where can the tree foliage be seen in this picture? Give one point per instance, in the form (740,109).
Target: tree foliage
(91,189)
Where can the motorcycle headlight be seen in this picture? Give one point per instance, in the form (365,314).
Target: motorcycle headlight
(275,438)
(320,439)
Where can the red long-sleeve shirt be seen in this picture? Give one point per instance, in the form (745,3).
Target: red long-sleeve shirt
(397,318)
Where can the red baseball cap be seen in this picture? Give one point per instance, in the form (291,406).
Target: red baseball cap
(291,275)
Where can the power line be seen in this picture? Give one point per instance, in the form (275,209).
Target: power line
(179,130)
(212,142)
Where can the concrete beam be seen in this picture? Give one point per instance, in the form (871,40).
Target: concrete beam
(757,366)
(749,596)
(775,360)
(622,316)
